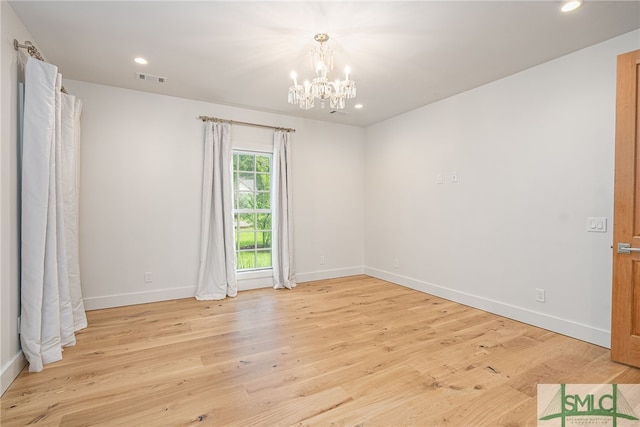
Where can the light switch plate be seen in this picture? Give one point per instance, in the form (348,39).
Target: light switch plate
(597,224)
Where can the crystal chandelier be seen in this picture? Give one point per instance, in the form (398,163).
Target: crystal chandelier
(320,87)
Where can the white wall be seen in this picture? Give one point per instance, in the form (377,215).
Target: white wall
(141,172)
(534,153)
(11,359)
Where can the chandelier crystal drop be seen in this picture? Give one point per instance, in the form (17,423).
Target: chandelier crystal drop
(320,87)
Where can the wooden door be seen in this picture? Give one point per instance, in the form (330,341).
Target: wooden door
(625,319)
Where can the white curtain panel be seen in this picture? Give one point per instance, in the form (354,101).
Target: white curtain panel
(284,273)
(48,321)
(217,273)
(71,111)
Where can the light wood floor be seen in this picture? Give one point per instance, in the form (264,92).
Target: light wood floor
(355,351)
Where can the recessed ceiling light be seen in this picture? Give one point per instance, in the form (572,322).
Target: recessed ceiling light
(141,60)
(358,106)
(571,5)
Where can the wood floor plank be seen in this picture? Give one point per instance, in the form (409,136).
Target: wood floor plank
(348,351)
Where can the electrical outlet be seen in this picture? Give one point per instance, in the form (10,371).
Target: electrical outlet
(540,295)
(321,259)
(148,277)
(396,263)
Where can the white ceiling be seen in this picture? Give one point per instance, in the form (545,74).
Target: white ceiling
(402,54)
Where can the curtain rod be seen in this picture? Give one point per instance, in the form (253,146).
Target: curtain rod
(33,52)
(233,122)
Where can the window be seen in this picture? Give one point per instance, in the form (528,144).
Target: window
(252,209)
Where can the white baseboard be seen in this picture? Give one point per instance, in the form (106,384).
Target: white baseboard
(250,281)
(11,371)
(556,324)
(329,274)
(121,300)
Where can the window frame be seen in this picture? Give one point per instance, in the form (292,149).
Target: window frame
(237,211)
